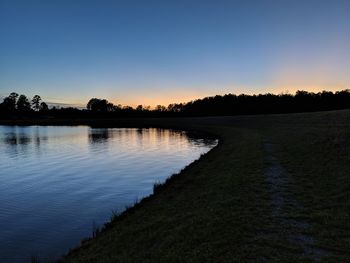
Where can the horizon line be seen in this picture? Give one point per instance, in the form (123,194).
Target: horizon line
(83,105)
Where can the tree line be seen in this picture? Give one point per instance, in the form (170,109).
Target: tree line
(20,103)
(229,104)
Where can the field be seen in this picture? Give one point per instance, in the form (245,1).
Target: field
(275,189)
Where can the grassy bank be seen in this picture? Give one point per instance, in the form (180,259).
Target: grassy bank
(277,188)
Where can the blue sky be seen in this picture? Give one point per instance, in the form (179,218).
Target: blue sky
(158,52)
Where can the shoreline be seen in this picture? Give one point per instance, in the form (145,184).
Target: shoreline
(157,188)
(219,207)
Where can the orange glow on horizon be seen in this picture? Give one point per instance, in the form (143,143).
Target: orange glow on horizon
(188,95)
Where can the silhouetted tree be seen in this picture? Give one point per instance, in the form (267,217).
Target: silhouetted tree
(174,107)
(36,102)
(9,103)
(160,108)
(23,103)
(127,108)
(99,105)
(13,96)
(44,107)
(91,105)
(110,107)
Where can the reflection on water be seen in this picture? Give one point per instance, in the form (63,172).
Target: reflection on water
(99,135)
(17,140)
(56,181)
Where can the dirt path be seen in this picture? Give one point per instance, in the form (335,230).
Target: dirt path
(282,200)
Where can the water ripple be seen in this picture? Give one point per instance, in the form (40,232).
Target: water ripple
(56,181)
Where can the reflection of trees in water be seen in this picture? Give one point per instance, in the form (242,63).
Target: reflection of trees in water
(18,141)
(39,138)
(169,133)
(192,137)
(198,138)
(15,139)
(134,135)
(140,137)
(99,135)
(140,131)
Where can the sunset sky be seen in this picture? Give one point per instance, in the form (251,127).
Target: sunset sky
(156,52)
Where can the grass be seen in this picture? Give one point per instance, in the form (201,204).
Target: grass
(316,152)
(219,208)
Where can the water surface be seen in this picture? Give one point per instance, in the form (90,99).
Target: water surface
(57,182)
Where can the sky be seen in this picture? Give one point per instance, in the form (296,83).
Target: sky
(163,51)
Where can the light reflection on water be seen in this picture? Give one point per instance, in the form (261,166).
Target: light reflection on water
(55,182)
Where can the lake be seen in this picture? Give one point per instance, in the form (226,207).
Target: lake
(57,182)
